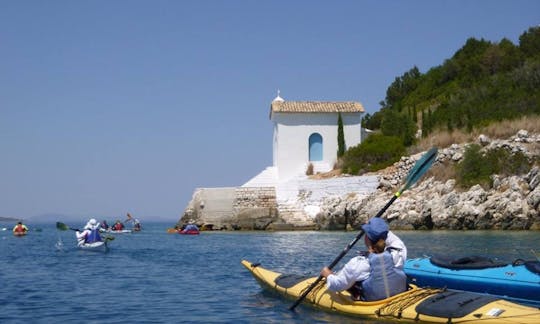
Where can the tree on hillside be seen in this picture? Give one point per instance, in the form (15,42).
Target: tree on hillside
(398,125)
(401,87)
(529,43)
(481,83)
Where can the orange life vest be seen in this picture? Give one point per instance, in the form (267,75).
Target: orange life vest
(19,229)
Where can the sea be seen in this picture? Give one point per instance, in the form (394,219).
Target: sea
(152,276)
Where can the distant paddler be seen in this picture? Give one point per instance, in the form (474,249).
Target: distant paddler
(20,229)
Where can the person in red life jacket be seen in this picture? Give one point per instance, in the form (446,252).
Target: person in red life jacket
(118,226)
(378,273)
(20,229)
(90,234)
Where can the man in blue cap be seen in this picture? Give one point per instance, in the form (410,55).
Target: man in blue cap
(377,275)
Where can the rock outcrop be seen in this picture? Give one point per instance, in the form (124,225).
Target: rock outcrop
(513,203)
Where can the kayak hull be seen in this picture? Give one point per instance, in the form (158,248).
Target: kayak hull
(514,282)
(116,232)
(94,247)
(416,305)
(189,232)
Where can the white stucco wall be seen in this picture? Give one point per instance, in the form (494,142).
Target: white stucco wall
(291,138)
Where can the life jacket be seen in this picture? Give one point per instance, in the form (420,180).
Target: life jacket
(384,280)
(19,229)
(191,227)
(92,237)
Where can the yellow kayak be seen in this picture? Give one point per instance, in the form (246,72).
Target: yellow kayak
(417,305)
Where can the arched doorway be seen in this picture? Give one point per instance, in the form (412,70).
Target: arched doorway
(315,147)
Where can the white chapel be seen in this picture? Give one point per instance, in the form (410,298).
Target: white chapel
(306,132)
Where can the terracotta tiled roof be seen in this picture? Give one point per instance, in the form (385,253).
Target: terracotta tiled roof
(316,107)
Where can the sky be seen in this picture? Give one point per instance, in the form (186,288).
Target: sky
(109,107)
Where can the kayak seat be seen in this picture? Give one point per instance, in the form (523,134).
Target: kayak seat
(468,262)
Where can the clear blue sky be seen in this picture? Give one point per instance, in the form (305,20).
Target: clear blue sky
(108,107)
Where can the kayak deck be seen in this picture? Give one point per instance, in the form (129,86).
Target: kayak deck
(414,305)
(513,281)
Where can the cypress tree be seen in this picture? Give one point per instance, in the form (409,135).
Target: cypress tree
(340,137)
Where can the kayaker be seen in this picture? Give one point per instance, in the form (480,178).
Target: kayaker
(90,234)
(118,226)
(374,275)
(136,225)
(20,229)
(104,225)
(191,227)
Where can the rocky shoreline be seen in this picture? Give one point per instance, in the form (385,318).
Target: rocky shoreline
(513,203)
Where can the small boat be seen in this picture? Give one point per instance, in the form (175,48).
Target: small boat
(19,234)
(416,305)
(100,246)
(518,281)
(190,229)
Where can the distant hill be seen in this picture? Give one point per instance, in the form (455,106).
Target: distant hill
(8,219)
(53,218)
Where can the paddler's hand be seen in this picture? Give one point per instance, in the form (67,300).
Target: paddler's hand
(325,272)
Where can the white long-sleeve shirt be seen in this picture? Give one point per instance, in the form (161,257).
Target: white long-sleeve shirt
(358,269)
(81,236)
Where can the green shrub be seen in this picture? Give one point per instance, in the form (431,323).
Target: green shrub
(375,153)
(477,168)
(505,163)
(473,169)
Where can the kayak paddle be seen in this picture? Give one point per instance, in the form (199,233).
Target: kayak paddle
(108,238)
(64,227)
(416,173)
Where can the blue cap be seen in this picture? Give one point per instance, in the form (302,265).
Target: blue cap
(376,229)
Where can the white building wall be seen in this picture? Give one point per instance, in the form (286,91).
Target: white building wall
(291,139)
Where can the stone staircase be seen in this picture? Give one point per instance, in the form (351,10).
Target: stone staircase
(299,198)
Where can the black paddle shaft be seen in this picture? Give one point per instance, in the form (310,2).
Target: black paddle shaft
(341,255)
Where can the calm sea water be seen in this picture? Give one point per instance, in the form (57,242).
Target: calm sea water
(155,277)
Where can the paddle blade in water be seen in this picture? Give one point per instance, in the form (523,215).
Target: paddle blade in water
(62,226)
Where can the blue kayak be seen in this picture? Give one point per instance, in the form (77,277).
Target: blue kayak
(518,281)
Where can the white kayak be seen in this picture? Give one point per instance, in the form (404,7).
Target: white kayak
(116,232)
(95,246)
